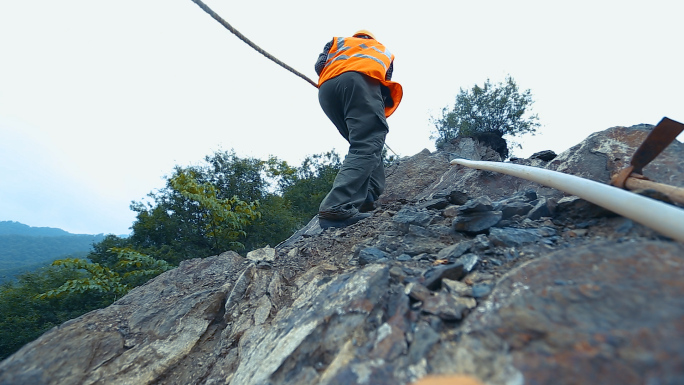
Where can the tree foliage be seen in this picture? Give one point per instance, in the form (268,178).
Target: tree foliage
(24,316)
(225,203)
(223,219)
(498,109)
(230,203)
(131,270)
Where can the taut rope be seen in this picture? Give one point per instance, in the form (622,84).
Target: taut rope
(250,43)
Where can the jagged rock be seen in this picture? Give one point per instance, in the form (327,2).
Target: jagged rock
(476,216)
(540,209)
(434,204)
(457,288)
(424,339)
(420,245)
(413,175)
(266,254)
(477,222)
(607,326)
(522,304)
(454,271)
(454,251)
(576,207)
(445,306)
(417,292)
(508,210)
(477,205)
(410,216)
(509,237)
(142,335)
(458,197)
(450,211)
(606,152)
(481,290)
(545,155)
(470,148)
(310,229)
(371,255)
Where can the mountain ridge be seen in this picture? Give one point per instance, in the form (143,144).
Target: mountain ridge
(17,228)
(25,248)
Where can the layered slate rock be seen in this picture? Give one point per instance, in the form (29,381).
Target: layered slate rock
(605,153)
(605,313)
(555,291)
(138,337)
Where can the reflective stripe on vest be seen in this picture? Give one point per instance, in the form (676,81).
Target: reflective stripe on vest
(366,56)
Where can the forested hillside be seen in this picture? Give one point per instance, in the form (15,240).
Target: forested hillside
(24,248)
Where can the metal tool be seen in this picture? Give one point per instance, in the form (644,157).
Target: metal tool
(657,140)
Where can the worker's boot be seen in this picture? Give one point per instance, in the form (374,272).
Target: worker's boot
(327,223)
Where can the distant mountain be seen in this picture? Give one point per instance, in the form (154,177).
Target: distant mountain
(24,248)
(16,228)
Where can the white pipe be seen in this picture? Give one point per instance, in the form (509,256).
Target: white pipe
(664,218)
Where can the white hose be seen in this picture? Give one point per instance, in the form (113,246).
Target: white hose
(664,218)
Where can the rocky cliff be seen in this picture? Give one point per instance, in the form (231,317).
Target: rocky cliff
(458,271)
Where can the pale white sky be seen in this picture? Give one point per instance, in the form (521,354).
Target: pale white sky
(100,99)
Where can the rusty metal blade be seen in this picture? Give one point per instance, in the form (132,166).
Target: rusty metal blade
(662,135)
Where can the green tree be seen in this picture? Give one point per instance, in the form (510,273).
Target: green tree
(310,183)
(223,219)
(132,269)
(203,210)
(45,298)
(105,252)
(24,316)
(488,112)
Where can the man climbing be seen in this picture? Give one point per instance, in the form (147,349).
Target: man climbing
(357,95)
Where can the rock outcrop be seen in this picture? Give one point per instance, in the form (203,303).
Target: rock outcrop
(458,271)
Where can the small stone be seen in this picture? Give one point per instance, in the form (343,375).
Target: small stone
(476,277)
(371,255)
(408,216)
(477,205)
(540,210)
(477,222)
(625,226)
(455,250)
(417,291)
(397,273)
(457,288)
(546,155)
(266,254)
(458,197)
(454,271)
(509,236)
(515,208)
(423,339)
(481,290)
(530,195)
(445,306)
(434,204)
(450,211)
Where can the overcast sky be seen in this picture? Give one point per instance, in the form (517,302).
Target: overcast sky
(100,99)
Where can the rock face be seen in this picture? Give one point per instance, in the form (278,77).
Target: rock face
(458,272)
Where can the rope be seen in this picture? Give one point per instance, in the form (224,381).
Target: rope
(250,43)
(242,37)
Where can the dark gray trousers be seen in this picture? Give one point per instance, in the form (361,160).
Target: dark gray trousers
(354,104)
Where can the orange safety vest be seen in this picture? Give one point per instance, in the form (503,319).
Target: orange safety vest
(366,56)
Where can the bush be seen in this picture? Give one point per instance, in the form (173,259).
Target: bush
(487,111)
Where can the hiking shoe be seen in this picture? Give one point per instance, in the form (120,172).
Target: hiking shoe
(369,203)
(328,223)
(367,206)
